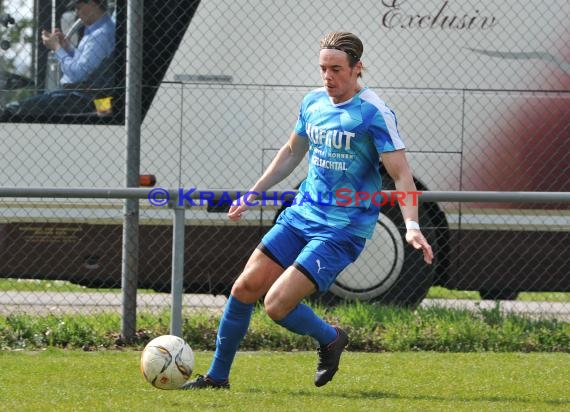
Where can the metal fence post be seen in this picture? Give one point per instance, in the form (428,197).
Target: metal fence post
(130,262)
(177,286)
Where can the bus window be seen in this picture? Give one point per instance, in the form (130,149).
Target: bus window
(70,56)
(36,76)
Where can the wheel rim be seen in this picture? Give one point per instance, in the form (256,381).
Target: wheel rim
(378,266)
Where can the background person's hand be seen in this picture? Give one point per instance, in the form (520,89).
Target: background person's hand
(54,40)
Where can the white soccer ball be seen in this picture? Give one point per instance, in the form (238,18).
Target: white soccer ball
(167,362)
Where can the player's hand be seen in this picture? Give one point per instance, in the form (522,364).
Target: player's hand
(240,206)
(418,241)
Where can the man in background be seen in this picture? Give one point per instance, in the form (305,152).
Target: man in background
(98,42)
(86,69)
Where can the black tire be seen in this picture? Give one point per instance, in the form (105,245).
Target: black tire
(499,294)
(389,271)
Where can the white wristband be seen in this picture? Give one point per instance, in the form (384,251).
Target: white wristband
(412,225)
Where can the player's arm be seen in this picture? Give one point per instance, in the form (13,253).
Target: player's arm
(398,168)
(287,159)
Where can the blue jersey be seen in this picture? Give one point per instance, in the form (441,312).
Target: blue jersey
(345,141)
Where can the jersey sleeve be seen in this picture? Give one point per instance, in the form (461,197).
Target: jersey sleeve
(384,129)
(300,126)
(383,124)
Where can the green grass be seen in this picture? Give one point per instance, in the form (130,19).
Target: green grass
(36,285)
(371,328)
(60,380)
(39,285)
(428,359)
(436,292)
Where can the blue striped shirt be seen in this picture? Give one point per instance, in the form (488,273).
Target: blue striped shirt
(97,43)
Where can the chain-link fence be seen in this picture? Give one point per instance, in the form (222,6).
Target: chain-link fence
(481,91)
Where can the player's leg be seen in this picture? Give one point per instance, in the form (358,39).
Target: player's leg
(259,274)
(261,271)
(316,268)
(282,304)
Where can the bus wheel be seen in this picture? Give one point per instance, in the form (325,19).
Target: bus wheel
(388,271)
(499,294)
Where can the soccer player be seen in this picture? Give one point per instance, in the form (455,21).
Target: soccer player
(347,129)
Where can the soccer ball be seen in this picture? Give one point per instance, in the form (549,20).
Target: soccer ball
(167,362)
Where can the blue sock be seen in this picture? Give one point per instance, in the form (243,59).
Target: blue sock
(232,329)
(303,321)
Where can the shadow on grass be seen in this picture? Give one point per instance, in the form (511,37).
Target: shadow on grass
(375,395)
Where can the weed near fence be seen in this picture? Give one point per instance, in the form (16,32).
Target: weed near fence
(371,328)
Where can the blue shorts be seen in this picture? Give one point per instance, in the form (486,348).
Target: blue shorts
(319,254)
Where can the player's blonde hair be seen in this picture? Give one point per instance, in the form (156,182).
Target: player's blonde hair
(346,42)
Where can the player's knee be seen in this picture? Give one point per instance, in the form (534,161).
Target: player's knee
(274,309)
(246,290)
(274,312)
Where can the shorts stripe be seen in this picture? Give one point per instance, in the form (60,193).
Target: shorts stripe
(305,272)
(263,249)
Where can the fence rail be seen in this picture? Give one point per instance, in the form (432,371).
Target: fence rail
(205,92)
(143,193)
(179,222)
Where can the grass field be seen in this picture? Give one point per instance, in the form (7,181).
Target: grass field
(53,379)
(60,380)
(436,292)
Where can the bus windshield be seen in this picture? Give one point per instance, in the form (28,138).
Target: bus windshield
(64,61)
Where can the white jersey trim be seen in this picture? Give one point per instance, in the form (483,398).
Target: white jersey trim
(388,116)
